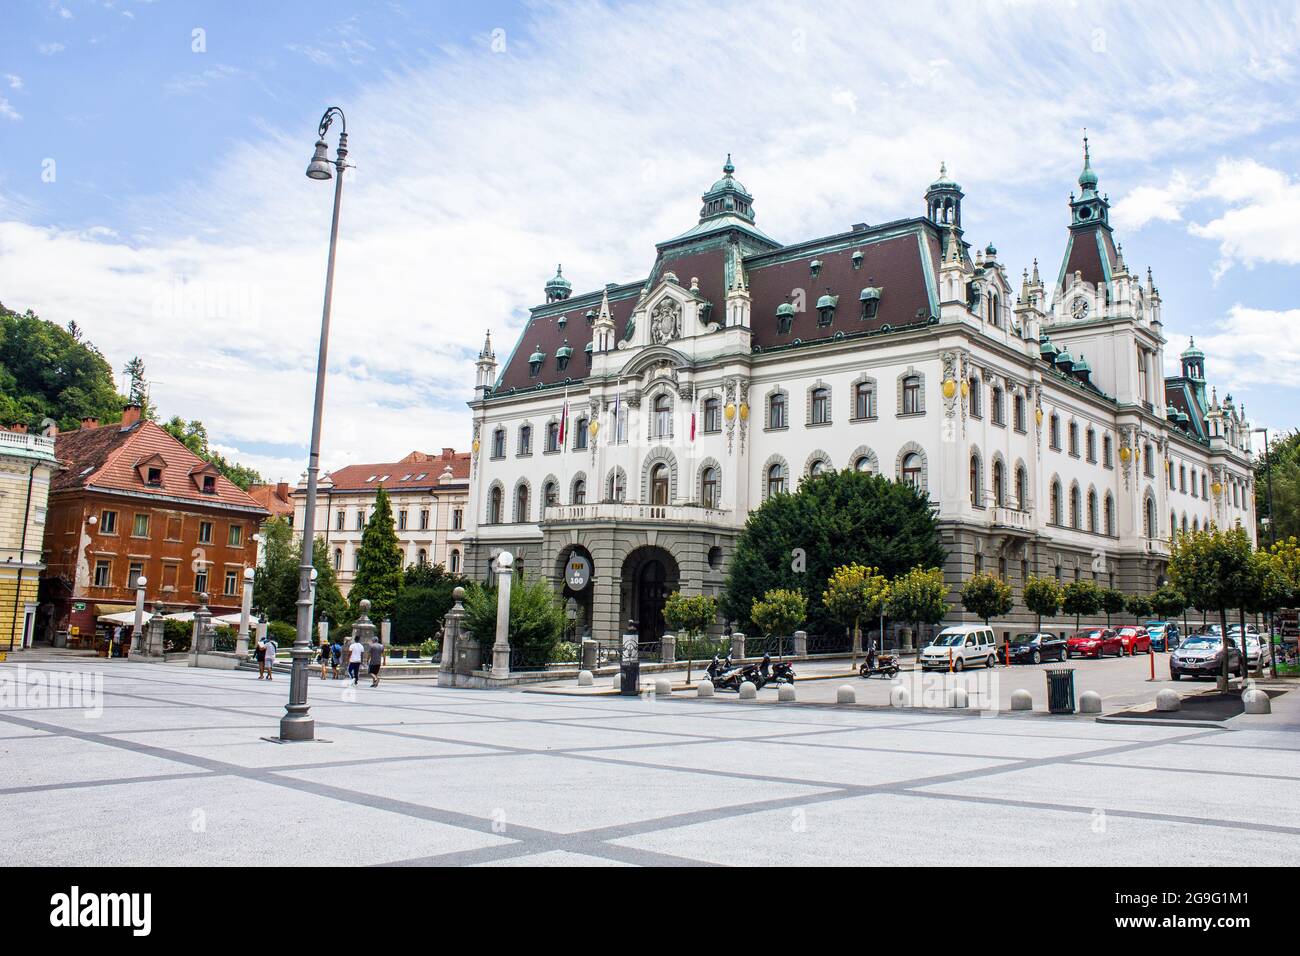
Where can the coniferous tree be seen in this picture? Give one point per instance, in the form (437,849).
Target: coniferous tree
(379,563)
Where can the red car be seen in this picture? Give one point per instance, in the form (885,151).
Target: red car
(1093,642)
(1135,640)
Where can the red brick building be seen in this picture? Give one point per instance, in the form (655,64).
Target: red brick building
(129,499)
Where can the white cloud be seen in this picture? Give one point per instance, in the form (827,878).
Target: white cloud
(1151,203)
(1253,349)
(15,82)
(7,111)
(1260,226)
(585,142)
(49,49)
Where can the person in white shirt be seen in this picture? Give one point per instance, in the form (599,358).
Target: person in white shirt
(356,651)
(268,647)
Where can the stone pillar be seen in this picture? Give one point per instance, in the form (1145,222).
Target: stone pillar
(737,645)
(363,630)
(668,649)
(245,610)
(800,644)
(153,642)
(201,633)
(323,631)
(137,631)
(501,646)
(455,643)
(385,630)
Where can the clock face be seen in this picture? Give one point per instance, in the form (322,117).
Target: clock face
(1079,308)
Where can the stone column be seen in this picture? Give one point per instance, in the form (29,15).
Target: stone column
(501,646)
(737,645)
(668,649)
(385,630)
(800,644)
(452,636)
(201,632)
(154,630)
(363,630)
(245,611)
(137,631)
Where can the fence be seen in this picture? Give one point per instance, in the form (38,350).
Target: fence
(775,646)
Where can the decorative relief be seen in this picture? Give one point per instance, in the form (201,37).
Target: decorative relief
(665,320)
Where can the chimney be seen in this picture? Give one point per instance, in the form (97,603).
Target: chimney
(19,427)
(282,490)
(89,422)
(449,453)
(130,414)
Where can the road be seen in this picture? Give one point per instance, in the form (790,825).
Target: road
(173,769)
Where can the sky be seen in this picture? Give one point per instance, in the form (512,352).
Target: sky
(152,156)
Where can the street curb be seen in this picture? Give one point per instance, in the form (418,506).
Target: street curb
(1165,722)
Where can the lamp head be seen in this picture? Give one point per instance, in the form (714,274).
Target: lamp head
(319,167)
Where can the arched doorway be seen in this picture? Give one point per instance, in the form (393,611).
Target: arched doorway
(576,571)
(649,575)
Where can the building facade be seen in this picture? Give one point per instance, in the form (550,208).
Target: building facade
(633,428)
(130,500)
(429,496)
(27,464)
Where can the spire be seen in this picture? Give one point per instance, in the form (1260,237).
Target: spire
(727,197)
(486,354)
(1087,178)
(558,288)
(943,200)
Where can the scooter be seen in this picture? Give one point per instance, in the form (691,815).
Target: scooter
(726,676)
(885,664)
(768,673)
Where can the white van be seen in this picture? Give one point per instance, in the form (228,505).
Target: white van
(960,646)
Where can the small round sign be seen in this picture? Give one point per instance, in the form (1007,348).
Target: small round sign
(578,572)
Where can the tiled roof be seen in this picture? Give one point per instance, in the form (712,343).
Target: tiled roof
(1084,254)
(1180,393)
(416,471)
(544,333)
(106,457)
(274,498)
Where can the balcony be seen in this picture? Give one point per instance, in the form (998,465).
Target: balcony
(1013,518)
(1158,547)
(26,446)
(631,511)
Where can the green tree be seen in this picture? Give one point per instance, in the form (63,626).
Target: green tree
(1286,557)
(1043,597)
(379,563)
(986,596)
(1081,598)
(779,612)
(50,372)
(423,575)
(1112,602)
(920,597)
(854,592)
(536,622)
(275,584)
(1211,568)
(1280,462)
(1138,605)
(690,615)
(138,387)
(1167,602)
(795,541)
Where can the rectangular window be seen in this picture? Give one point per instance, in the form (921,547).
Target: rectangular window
(361,519)
(526,440)
(169,576)
(999,410)
(236,536)
(424,519)
(864,400)
(205,532)
(1105,450)
(499,443)
(174,528)
(457,519)
(108,522)
(232,582)
(155,476)
(401,520)
(200,581)
(340,519)
(103,573)
(134,571)
(140,526)
(976,399)
(1019,407)
(712,415)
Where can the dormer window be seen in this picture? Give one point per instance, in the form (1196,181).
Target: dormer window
(150,469)
(826,309)
(784,318)
(870,299)
(562,356)
(204,476)
(209,485)
(857,259)
(154,476)
(535,363)
(815,267)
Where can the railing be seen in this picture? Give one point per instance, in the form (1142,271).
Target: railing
(1157,546)
(631,511)
(828,643)
(1012,518)
(611,652)
(776,646)
(23,440)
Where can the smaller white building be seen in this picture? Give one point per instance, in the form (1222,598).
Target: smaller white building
(428,493)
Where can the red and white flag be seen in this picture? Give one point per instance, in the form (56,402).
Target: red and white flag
(564,422)
(692,426)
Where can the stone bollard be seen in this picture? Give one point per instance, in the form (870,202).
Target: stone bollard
(900,696)
(1022,700)
(585,679)
(618,681)
(1090,702)
(663,687)
(589,654)
(668,649)
(785,692)
(957,698)
(737,645)
(748,691)
(1256,701)
(704,688)
(845,694)
(800,648)
(1168,700)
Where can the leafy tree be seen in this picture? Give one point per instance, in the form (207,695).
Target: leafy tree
(1081,598)
(536,622)
(690,615)
(795,541)
(138,389)
(425,599)
(1167,602)
(423,575)
(920,597)
(1286,557)
(1043,597)
(986,596)
(779,612)
(1211,568)
(1112,602)
(275,584)
(50,372)
(853,592)
(1139,605)
(1281,462)
(379,563)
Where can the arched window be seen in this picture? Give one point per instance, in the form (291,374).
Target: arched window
(579,491)
(1105,450)
(617,487)
(659,484)
(422,557)
(976,492)
(912,395)
(1149,518)
(550,494)
(819,412)
(1022,489)
(1092,511)
(663,412)
(1074,439)
(999,484)
(817,466)
(912,469)
(1091,444)
(776,479)
(1056,503)
(495,505)
(1075,502)
(712,415)
(338,559)
(1110,514)
(581,428)
(521,503)
(455,561)
(1173,525)
(1054,431)
(709,491)
(864,400)
(863,463)
(776,417)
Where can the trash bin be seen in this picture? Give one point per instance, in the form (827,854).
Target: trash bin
(1060,690)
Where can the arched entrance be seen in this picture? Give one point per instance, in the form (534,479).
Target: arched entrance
(576,571)
(649,575)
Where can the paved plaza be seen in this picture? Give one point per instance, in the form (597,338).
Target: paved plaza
(173,770)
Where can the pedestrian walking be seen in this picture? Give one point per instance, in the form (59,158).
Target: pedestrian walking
(268,648)
(261,658)
(355,652)
(336,657)
(116,646)
(376,660)
(323,656)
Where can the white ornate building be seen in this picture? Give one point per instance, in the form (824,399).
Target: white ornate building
(635,426)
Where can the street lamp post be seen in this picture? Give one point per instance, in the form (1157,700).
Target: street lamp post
(297,722)
(245,611)
(1270,524)
(137,632)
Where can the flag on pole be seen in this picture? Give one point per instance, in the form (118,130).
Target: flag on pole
(692,425)
(564,418)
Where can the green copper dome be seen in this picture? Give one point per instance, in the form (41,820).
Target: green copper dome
(785,308)
(1087,178)
(1192,351)
(943,182)
(558,287)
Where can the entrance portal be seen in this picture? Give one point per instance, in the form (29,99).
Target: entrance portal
(650,574)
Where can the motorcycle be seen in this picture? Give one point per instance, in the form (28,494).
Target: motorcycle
(885,664)
(727,676)
(768,673)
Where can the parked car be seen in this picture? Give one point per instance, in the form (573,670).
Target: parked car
(1164,635)
(1033,647)
(1093,642)
(1201,655)
(1134,639)
(963,645)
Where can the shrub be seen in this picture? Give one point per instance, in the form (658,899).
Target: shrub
(565,652)
(536,618)
(176,635)
(429,648)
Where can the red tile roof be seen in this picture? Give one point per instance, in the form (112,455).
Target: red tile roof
(274,498)
(417,470)
(105,458)
(1084,255)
